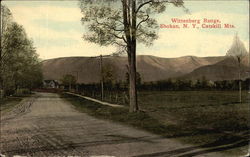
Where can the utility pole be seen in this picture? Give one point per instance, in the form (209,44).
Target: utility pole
(77,81)
(239,60)
(101,70)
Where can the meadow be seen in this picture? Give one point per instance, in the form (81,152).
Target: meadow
(206,118)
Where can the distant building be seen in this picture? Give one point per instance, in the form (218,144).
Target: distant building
(211,83)
(50,84)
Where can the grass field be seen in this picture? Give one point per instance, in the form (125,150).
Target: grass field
(206,118)
(209,119)
(7,104)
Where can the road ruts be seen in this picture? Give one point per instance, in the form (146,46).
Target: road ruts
(46,125)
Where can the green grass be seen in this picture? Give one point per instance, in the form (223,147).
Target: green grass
(214,110)
(210,119)
(206,118)
(7,104)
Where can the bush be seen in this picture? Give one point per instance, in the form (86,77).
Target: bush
(22,91)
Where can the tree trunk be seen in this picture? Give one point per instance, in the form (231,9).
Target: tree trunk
(132,67)
(1,85)
(240,91)
(1,65)
(133,105)
(1,74)
(239,85)
(129,19)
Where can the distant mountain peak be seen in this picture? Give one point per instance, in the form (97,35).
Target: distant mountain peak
(150,67)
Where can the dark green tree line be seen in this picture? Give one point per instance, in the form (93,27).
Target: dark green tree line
(20,66)
(68,81)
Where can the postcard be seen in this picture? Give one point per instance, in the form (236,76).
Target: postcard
(124,78)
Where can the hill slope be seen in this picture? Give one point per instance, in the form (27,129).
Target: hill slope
(150,68)
(227,69)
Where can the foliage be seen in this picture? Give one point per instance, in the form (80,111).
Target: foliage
(20,66)
(129,22)
(105,22)
(68,80)
(109,76)
(118,90)
(237,50)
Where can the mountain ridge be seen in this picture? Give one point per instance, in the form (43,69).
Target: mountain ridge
(151,68)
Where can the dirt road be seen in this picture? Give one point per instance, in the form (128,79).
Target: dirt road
(46,125)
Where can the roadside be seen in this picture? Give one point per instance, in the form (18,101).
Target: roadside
(6,104)
(51,126)
(9,103)
(205,125)
(95,100)
(20,108)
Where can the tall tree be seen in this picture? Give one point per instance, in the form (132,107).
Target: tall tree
(123,23)
(20,66)
(238,51)
(5,21)
(68,80)
(109,75)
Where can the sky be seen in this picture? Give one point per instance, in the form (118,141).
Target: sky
(56,29)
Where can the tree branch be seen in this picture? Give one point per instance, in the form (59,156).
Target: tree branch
(118,20)
(144,20)
(108,26)
(124,39)
(116,36)
(119,44)
(126,20)
(141,5)
(151,1)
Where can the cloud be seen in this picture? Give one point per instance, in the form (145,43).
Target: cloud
(27,16)
(52,42)
(48,12)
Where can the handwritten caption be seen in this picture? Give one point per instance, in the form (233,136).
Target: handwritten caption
(176,23)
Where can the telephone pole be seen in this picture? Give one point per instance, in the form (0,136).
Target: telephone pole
(101,70)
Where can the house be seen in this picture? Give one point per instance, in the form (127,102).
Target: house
(50,84)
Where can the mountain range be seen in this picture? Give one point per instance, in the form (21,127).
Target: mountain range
(150,68)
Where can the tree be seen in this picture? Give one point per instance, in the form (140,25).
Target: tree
(198,84)
(68,80)
(238,51)
(20,59)
(19,63)
(204,82)
(123,26)
(5,21)
(138,79)
(109,75)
